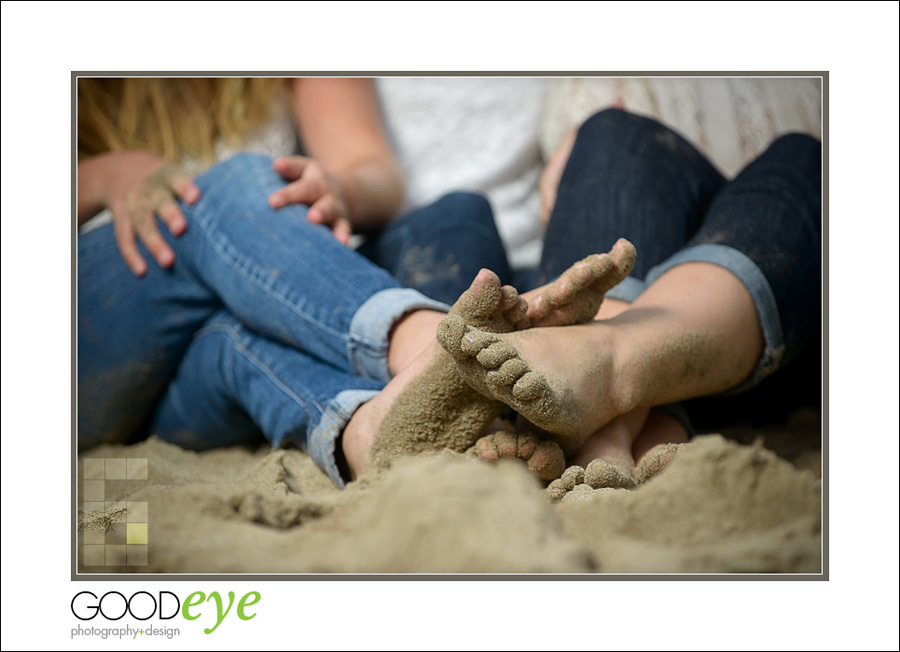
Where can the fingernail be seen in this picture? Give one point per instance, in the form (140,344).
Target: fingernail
(275,201)
(192,195)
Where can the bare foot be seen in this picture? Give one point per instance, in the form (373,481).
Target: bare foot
(675,342)
(544,458)
(569,393)
(659,428)
(656,460)
(614,442)
(490,362)
(616,446)
(576,296)
(427,406)
(601,474)
(598,475)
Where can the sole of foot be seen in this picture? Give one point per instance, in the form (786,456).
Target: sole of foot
(493,363)
(427,407)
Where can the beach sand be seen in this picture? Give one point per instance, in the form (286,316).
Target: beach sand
(747,500)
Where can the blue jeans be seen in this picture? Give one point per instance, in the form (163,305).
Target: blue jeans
(439,249)
(629,176)
(265,324)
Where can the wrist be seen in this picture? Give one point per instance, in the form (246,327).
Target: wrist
(94,178)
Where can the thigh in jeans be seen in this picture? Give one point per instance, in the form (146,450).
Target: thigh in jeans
(131,334)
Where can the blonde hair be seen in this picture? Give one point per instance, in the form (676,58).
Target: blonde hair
(172,117)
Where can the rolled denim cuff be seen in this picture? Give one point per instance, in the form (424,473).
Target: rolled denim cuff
(628,290)
(322,439)
(760,290)
(371,325)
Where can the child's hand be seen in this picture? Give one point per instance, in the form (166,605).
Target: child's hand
(313,186)
(139,187)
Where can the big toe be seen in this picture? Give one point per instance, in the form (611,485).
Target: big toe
(481,299)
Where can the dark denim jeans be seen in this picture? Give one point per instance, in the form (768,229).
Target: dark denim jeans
(629,176)
(439,249)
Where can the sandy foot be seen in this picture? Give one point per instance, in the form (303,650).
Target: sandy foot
(656,460)
(600,474)
(434,408)
(576,296)
(544,458)
(491,363)
(597,475)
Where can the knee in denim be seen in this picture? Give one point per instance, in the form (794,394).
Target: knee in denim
(799,151)
(237,170)
(465,209)
(620,134)
(613,123)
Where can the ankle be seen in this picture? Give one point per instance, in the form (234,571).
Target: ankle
(621,353)
(356,442)
(632,365)
(411,335)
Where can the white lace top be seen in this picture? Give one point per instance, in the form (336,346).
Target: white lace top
(476,134)
(730,120)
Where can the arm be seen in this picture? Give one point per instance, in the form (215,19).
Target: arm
(352,174)
(553,171)
(91,195)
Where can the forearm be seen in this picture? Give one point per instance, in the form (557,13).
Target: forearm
(91,196)
(340,126)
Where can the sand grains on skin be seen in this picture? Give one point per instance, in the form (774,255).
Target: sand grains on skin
(438,408)
(490,362)
(600,474)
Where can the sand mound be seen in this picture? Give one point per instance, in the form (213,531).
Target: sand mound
(719,507)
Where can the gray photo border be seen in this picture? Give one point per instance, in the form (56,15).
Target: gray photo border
(822,576)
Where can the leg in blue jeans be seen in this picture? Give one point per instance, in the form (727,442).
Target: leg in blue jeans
(439,249)
(234,386)
(273,271)
(630,176)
